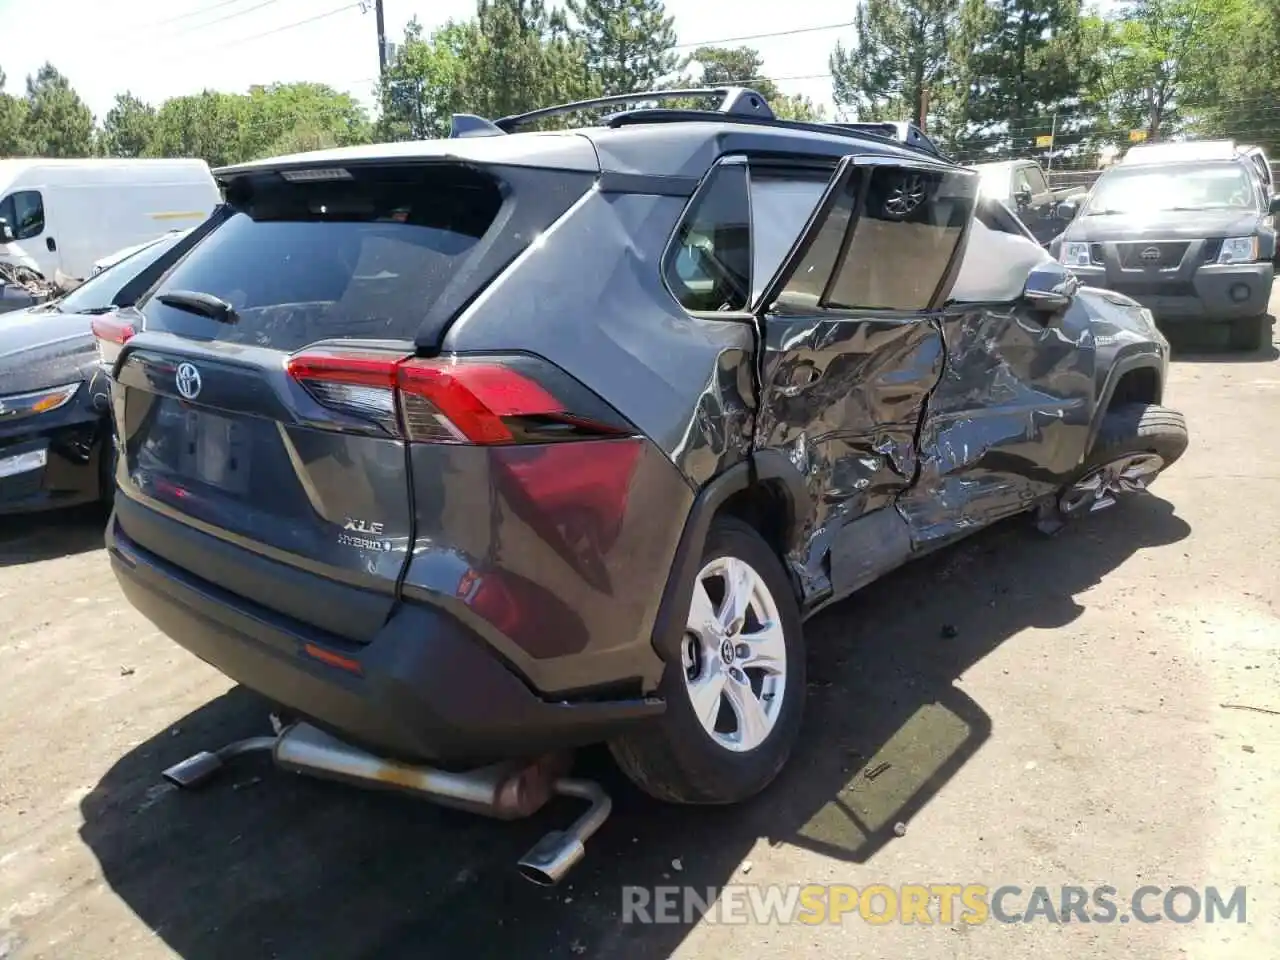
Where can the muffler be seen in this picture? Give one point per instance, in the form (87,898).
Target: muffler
(505,791)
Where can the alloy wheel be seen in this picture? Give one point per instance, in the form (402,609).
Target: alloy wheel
(1099,488)
(734,655)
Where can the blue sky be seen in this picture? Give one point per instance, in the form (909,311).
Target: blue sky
(164,48)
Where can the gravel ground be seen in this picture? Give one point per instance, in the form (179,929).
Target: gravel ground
(1035,711)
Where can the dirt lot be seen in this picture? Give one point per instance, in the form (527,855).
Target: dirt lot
(1051,712)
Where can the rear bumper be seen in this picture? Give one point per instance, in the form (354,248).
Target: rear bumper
(424,689)
(1215,291)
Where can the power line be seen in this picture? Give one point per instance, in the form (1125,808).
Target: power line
(196,13)
(764,36)
(288,26)
(230,16)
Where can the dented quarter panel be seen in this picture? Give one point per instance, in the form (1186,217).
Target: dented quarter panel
(1009,419)
(595,302)
(844,400)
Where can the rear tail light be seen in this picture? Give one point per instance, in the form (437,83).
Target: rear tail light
(475,400)
(112,333)
(112,329)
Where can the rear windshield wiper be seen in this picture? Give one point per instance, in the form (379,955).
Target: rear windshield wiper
(201,304)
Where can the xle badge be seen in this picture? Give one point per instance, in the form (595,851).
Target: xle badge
(350,536)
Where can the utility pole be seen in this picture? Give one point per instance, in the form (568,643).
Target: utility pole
(382,41)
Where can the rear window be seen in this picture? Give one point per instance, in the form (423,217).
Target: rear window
(361,257)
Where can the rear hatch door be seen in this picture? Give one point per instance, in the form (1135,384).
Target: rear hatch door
(290,492)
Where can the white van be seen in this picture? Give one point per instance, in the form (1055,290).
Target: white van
(63,215)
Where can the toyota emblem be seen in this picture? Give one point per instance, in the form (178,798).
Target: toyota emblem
(1151,253)
(188,380)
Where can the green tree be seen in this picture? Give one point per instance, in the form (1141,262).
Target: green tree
(424,85)
(733,66)
(57,124)
(629,44)
(13,115)
(1153,55)
(901,61)
(288,117)
(1237,91)
(1026,65)
(129,128)
(209,125)
(797,107)
(513,58)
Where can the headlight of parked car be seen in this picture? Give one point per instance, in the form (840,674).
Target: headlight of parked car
(1075,254)
(41,401)
(1239,250)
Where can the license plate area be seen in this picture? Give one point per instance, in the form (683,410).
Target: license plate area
(15,464)
(215,451)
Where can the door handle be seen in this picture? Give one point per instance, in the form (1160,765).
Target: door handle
(51,244)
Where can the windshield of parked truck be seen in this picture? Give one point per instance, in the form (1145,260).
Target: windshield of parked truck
(1175,187)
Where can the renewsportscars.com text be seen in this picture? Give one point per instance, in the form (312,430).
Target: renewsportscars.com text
(941,903)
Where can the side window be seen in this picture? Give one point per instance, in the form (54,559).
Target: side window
(1036,180)
(24,212)
(906,223)
(708,265)
(781,204)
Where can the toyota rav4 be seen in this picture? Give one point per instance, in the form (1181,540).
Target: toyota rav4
(497,445)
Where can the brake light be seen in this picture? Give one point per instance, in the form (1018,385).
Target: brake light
(112,329)
(112,333)
(477,400)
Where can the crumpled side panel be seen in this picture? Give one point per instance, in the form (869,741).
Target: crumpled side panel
(1008,422)
(843,399)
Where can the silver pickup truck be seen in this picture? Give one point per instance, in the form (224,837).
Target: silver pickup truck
(1023,187)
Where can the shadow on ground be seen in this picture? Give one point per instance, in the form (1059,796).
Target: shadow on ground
(57,533)
(263,864)
(1194,343)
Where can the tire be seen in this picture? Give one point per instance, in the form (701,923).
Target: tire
(678,759)
(1251,333)
(1140,428)
(1130,430)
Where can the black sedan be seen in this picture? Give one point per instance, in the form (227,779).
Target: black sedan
(55,429)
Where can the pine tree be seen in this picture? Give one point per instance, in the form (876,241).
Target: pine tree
(58,124)
(1025,64)
(129,128)
(630,44)
(901,62)
(13,114)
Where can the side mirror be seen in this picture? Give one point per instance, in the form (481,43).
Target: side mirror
(1273,208)
(1022,197)
(6,232)
(1068,209)
(1050,288)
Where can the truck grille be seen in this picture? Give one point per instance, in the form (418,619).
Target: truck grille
(1159,254)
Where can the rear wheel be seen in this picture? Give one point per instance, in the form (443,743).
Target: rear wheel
(1250,333)
(1136,442)
(734,689)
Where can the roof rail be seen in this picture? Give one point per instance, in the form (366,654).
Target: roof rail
(903,131)
(469,125)
(734,102)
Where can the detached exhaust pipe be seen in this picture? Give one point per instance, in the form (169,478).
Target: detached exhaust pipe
(560,850)
(504,791)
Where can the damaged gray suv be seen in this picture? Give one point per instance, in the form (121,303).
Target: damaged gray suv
(469,452)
